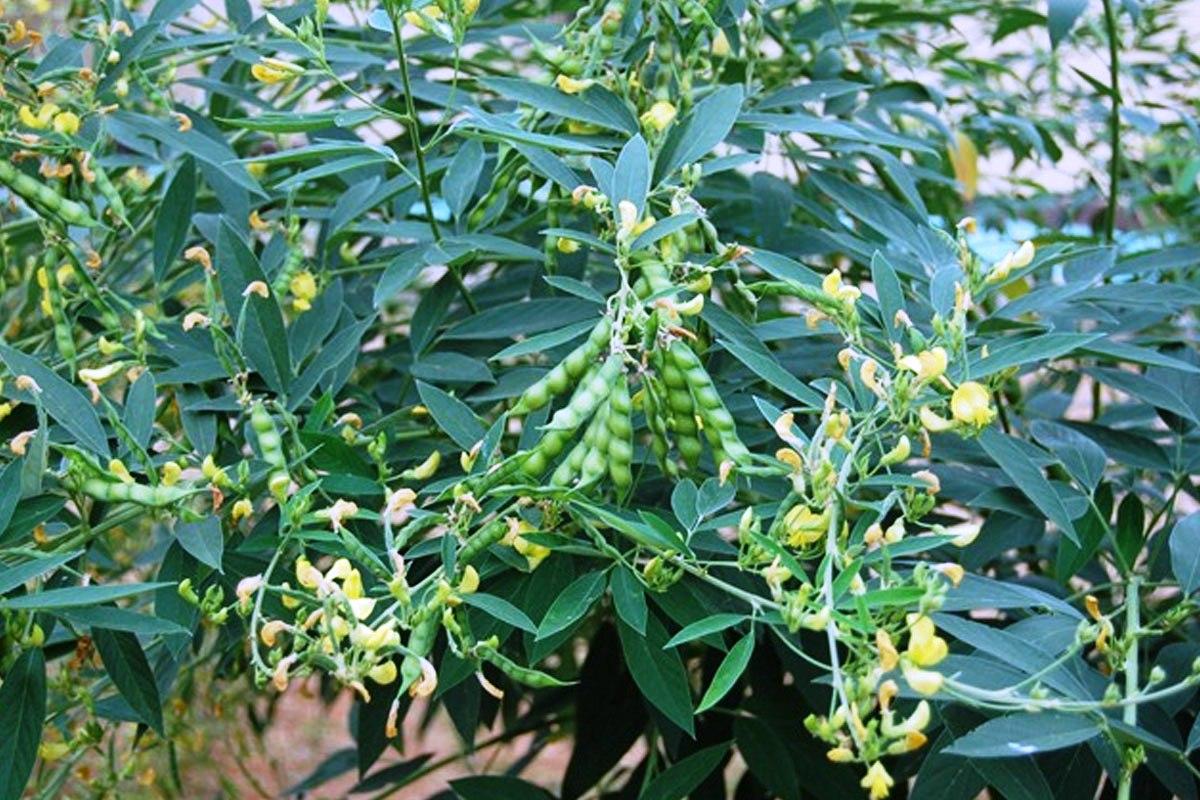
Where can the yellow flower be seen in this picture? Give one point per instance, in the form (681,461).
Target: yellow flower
(888,656)
(307,575)
(804,526)
(925,647)
(275,70)
(421,17)
(964,533)
(877,781)
(53,751)
(117,467)
(304,289)
(568,85)
(720,44)
(928,364)
(66,123)
(923,681)
(242,509)
(840,755)
(41,120)
(383,673)
(566,246)
(470,580)
(916,722)
(971,405)
(171,473)
(660,116)
(964,158)
(932,421)
(832,284)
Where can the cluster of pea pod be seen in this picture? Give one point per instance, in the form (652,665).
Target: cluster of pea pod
(678,400)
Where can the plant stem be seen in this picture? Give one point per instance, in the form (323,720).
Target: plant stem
(1133,603)
(414,133)
(1114,120)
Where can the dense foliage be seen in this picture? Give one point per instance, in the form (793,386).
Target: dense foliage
(712,384)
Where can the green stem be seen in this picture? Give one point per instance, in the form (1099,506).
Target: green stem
(1114,120)
(414,133)
(1133,606)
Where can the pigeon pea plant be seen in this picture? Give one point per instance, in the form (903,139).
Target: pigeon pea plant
(585,370)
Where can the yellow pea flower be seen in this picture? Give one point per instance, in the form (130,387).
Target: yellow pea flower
(275,70)
(804,526)
(66,123)
(971,405)
(568,85)
(383,673)
(659,116)
(924,681)
(303,287)
(925,647)
(877,782)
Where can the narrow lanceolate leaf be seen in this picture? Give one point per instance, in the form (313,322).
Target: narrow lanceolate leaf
(174,217)
(700,132)
(130,672)
(1185,552)
(12,577)
(1025,734)
(682,777)
(572,604)
(63,402)
(452,415)
(728,673)
(1028,478)
(22,713)
(658,673)
(501,609)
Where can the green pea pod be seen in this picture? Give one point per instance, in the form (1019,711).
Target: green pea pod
(270,445)
(570,369)
(104,185)
(291,265)
(64,337)
(595,462)
(589,394)
(620,441)
(656,421)
(480,541)
(719,425)
(44,197)
(420,644)
(117,492)
(533,678)
(681,412)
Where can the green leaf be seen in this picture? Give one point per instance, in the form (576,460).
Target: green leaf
(702,130)
(682,777)
(889,291)
(662,229)
(1083,458)
(1185,552)
(545,341)
(203,539)
(22,714)
(732,667)
(120,619)
(1028,478)
(570,606)
(66,404)
(501,609)
(10,492)
(714,623)
(492,787)
(597,105)
(629,598)
(1061,16)
(75,596)
(631,178)
(1005,354)
(741,342)
(174,217)
(452,415)
(658,673)
(292,122)
(130,672)
(12,577)
(260,329)
(458,184)
(1025,734)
